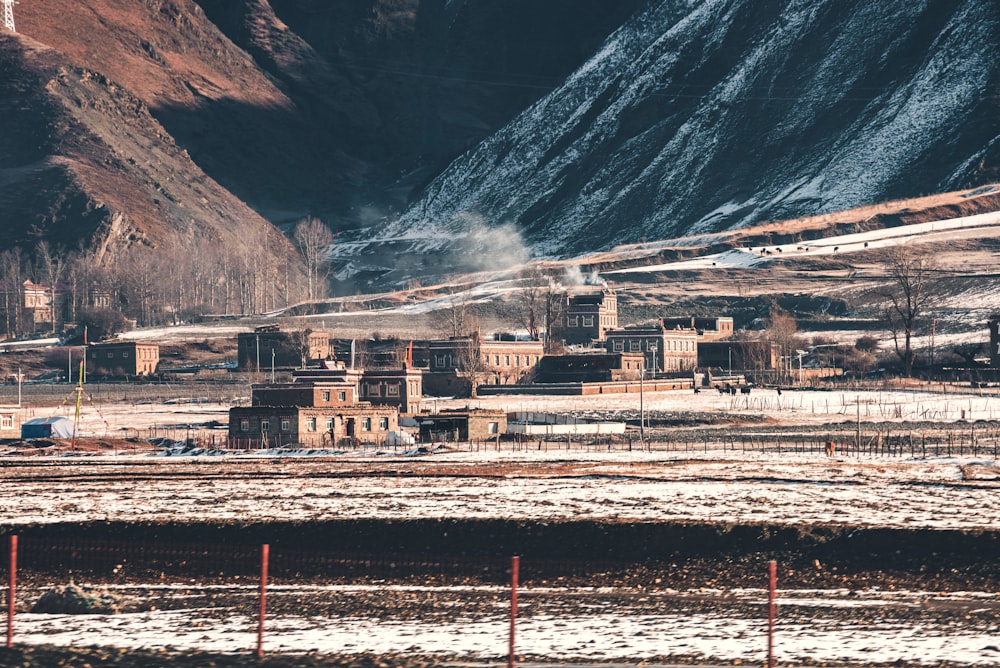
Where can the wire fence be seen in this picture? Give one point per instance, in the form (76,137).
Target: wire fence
(213,391)
(868,440)
(221,590)
(251,598)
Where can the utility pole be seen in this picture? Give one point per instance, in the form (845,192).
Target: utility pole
(8,14)
(933,330)
(642,409)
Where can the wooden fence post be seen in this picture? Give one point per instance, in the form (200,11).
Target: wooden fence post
(773,569)
(264,550)
(11,590)
(515,563)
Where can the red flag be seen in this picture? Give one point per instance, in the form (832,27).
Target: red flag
(84,335)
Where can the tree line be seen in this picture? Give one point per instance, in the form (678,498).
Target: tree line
(176,282)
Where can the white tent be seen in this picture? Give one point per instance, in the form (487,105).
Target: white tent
(50,427)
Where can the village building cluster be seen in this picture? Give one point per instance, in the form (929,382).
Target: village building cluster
(337,393)
(341,395)
(36,307)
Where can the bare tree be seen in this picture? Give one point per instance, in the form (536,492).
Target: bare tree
(782,331)
(906,297)
(81,272)
(457,317)
(50,266)
(299,340)
(529,301)
(470,361)
(554,308)
(11,280)
(314,240)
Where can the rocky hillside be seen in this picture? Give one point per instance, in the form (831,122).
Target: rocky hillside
(704,116)
(429,130)
(186,115)
(83,157)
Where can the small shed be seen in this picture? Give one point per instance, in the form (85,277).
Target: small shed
(477,424)
(50,427)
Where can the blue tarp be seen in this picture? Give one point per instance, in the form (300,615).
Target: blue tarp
(51,427)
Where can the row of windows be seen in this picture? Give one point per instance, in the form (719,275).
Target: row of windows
(446,361)
(366,423)
(635,345)
(507,360)
(6,421)
(375,390)
(143,354)
(341,395)
(286,424)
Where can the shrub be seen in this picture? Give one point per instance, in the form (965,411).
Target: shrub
(868,344)
(101,323)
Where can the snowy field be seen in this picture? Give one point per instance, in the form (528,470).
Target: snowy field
(680,484)
(942,231)
(934,402)
(839,625)
(618,486)
(857,624)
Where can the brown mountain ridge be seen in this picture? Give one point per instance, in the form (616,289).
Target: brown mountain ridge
(138,120)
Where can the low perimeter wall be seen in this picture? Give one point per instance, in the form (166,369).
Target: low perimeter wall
(586,389)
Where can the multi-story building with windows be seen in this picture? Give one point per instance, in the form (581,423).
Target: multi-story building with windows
(401,387)
(588,317)
(309,413)
(709,329)
(122,358)
(665,349)
(500,360)
(267,345)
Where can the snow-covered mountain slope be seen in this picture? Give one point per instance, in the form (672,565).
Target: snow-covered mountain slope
(704,115)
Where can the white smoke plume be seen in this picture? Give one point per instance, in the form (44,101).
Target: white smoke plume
(574,276)
(484,247)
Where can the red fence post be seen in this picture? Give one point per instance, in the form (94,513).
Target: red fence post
(264,550)
(11,588)
(773,568)
(515,562)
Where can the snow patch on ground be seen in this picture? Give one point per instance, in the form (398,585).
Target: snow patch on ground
(988,224)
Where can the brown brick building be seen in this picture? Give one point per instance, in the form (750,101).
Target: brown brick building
(666,349)
(402,387)
(477,424)
(589,368)
(499,360)
(122,358)
(289,348)
(709,329)
(311,414)
(10,421)
(588,317)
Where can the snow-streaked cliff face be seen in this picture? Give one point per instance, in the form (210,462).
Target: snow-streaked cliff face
(711,114)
